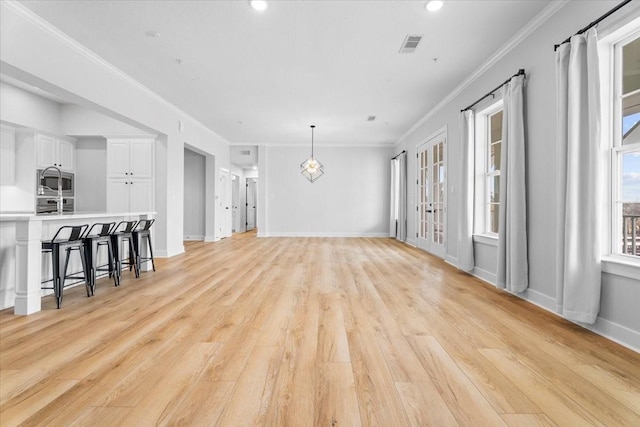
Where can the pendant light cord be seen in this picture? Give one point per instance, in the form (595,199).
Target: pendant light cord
(312,127)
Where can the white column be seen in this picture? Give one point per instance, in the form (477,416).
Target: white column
(28,266)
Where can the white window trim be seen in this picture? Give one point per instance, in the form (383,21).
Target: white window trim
(480,221)
(613,263)
(486,239)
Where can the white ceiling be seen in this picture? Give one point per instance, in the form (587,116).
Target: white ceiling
(264,77)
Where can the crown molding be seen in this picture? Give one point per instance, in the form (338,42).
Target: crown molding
(43,25)
(327,145)
(525,32)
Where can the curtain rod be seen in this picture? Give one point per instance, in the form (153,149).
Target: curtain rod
(594,23)
(399,154)
(519,73)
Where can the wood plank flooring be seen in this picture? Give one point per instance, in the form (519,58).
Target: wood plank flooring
(307,332)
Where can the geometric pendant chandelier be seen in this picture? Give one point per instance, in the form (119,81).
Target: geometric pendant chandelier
(311,168)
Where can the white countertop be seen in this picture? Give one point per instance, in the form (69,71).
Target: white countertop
(30,216)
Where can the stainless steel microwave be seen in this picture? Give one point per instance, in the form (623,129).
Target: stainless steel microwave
(50,183)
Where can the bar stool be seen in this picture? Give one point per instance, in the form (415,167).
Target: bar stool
(67,238)
(142,232)
(119,234)
(92,243)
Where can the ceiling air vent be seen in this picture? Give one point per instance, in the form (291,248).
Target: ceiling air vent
(410,44)
(371,118)
(245,152)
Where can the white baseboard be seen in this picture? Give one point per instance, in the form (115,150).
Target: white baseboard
(411,242)
(484,275)
(320,234)
(163,253)
(615,332)
(451,260)
(624,336)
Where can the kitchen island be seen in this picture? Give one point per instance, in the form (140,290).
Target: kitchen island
(21,259)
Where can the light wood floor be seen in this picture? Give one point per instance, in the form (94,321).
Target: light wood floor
(308,332)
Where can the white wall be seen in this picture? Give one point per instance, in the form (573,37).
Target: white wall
(535,54)
(194,195)
(22,108)
(91,173)
(351,199)
(77,121)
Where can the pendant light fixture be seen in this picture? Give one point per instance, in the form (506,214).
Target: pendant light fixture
(311,168)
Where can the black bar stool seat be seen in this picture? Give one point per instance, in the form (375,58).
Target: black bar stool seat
(142,231)
(123,232)
(92,243)
(68,238)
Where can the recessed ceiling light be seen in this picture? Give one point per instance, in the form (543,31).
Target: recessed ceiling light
(433,5)
(259,4)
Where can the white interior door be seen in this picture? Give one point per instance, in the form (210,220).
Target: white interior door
(431,195)
(252,184)
(235,202)
(224,204)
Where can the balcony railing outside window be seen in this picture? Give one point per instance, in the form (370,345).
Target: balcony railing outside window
(631,234)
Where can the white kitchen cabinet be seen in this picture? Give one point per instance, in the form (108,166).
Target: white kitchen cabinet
(128,157)
(140,195)
(129,195)
(130,174)
(55,151)
(118,195)
(67,155)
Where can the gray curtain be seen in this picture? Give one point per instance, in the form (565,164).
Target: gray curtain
(398,206)
(513,267)
(579,197)
(466,260)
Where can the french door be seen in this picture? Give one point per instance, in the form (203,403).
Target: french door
(431,195)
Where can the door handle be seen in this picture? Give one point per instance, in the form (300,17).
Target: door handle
(429,211)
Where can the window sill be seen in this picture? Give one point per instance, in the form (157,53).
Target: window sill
(486,239)
(621,266)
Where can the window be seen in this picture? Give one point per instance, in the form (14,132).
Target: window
(625,150)
(487,182)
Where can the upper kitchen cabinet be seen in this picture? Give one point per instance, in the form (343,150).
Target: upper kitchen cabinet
(130,157)
(55,151)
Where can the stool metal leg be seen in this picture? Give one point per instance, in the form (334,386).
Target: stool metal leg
(55,269)
(90,269)
(87,284)
(115,243)
(110,262)
(153,264)
(133,258)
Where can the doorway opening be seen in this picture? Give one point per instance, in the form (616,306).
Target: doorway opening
(194,222)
